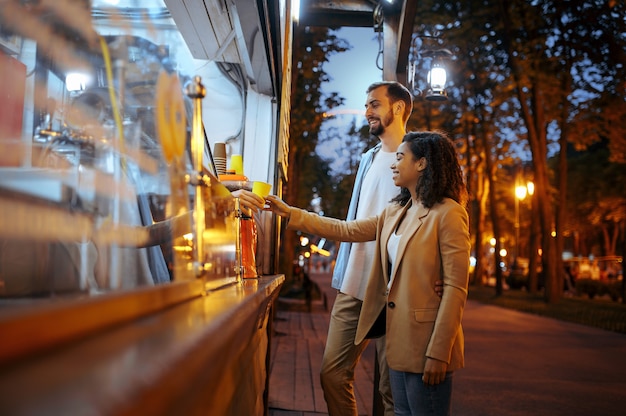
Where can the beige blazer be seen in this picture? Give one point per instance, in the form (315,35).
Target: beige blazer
(435,245)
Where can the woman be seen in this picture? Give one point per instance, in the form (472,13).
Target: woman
(423,237)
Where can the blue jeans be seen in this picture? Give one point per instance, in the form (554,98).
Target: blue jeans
(411,397)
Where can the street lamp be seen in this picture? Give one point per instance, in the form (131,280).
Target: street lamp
(520,194)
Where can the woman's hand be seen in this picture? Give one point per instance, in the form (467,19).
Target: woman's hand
(278,206)
(434,371)
(249,200)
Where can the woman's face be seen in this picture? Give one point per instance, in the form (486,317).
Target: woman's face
(406,170)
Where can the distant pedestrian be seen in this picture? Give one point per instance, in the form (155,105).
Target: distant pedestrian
(307,287)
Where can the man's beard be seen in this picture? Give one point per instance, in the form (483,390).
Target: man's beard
(386,121)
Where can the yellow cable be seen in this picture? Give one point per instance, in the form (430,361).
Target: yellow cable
(116,112)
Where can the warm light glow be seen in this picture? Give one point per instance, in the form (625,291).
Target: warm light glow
(304,241)
(217,236)
(437,78)
(341,112)
(531,188)
(321,251)
(553,233)
(182,249)
(520,192)
(75,81)
(492,241)
(307,254)
(295,10)
(503,252)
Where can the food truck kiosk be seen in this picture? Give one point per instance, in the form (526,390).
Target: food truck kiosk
(132,279)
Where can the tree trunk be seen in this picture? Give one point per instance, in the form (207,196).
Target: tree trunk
(561,213)
(479,210)
(490,189)
(531,103)
(533,278)
(551,259)
(475,191)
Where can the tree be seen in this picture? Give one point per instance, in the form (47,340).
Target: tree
(536,68)
(546,43)
(307,172)
(598,207)
(347,148)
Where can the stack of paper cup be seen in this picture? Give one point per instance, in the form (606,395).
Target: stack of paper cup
(219,157)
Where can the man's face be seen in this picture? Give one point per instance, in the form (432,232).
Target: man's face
(378,111)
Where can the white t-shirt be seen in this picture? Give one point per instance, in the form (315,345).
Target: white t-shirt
(392,250)
(377,190)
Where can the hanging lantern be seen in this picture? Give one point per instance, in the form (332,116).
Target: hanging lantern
(437,77)
(425,46)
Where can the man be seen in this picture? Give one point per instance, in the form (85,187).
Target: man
(387,110)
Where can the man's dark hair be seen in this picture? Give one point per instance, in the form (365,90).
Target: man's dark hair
(396,92)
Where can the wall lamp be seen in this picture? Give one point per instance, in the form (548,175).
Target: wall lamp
(437,72)
(437,75)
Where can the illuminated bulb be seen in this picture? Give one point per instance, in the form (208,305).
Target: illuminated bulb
(75,81)
(437,78)
(437,81)
(295,10)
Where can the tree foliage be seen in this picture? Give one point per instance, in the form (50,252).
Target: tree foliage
(347,147)
(598,205)
(530,79)
(308,174)
(312,48)
(532,76)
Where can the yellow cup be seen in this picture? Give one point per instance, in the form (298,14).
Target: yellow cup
(262,189)
(236,164)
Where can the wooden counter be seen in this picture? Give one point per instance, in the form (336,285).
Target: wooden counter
(185,355)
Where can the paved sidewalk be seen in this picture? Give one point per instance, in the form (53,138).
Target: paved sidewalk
(517,364)
(296,357)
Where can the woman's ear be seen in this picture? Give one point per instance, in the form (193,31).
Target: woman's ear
(422,163)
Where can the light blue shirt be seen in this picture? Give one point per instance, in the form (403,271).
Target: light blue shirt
(344,248)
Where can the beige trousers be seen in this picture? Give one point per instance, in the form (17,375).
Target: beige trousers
(341,357)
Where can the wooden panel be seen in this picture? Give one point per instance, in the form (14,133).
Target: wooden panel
(12,86)
(44,325)
(206,353)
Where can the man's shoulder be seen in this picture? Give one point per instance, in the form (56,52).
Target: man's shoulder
(374,149)
(366,159)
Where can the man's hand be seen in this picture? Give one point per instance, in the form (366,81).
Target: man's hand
(434,371)
(278,206)
(439,287)
(249,200)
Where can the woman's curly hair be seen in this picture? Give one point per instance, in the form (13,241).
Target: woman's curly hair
(442,177)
